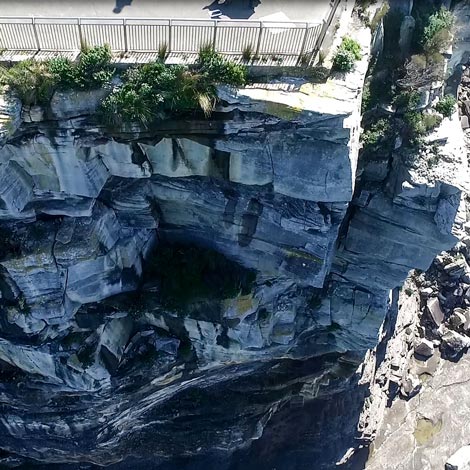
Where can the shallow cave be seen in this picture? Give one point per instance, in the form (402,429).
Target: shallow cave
(187,274)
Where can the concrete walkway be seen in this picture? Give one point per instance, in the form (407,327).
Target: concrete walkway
(296,10)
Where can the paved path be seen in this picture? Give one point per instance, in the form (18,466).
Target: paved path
(295,10)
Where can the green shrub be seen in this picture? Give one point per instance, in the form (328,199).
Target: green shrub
(247,53)
(94,67)
(406,100)
(347,54)
(92,70)
(343,60)
(437,34)
(352,46)
(420,124)
(154,91)
(219,70)
(163,51)
(63,71)
(129,105)
(376,133)
(446,106)
(30,80)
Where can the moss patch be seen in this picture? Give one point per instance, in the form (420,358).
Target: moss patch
(425,430)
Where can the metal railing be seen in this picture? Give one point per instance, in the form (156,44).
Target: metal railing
(234,37)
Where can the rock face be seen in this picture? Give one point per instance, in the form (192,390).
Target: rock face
(269,182)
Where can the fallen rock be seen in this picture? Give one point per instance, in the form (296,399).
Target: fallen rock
(411,386)
(427,291)
(424,347)
(435,311)
(116,334)
(457,319)
(460,460)
(454,343)
(456,269)
(464,122)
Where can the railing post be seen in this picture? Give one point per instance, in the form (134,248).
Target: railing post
(80,35)
(214,37)
(169,36)
(36,37)
(304,42)
(324,30)
(260,34)
(124,25)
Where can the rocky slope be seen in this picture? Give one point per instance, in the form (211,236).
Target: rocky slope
(96,367)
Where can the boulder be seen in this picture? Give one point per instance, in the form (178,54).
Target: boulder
(411,385)
(464,121)
(454,343)
(457,319)
(424,347)
(116,334)
(435,311)
(460,460)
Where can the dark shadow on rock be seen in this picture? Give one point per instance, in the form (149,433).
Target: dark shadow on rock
(234,9)
(120,4)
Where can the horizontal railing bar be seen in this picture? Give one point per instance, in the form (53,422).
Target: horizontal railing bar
(29,19)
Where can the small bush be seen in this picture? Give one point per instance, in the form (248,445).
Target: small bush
(30,80)
(352,46)
(92,70)
(446,106)
(406,100)
(343,61)
(376,133)
(63,71)
(154,91)
(347,54)
(94,67)
(437,34)
(219,70)
(130,105)
(163,51)
(247,53)
(420,124)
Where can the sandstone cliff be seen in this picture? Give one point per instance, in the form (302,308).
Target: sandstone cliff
(269,182)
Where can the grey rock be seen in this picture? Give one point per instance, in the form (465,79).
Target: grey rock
(464,122)
(67,104)
(435,311)
(424,347)
(411,386)
(168,345)
(455,342)
(457,319)
(113,341)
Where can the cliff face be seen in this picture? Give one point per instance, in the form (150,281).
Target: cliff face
(269,182)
